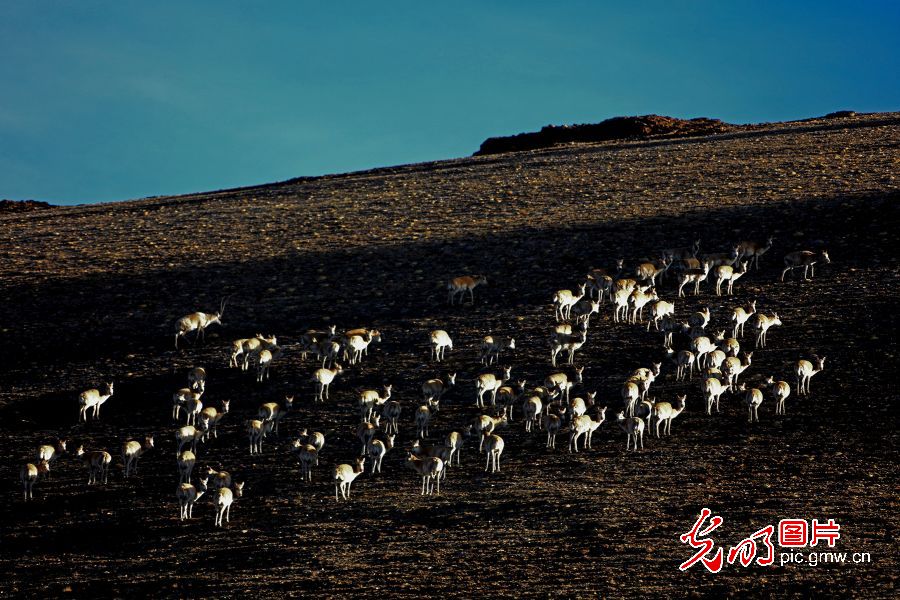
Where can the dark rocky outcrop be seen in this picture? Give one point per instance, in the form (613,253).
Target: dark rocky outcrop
(20,206)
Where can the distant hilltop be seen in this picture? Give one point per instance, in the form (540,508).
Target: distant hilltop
(617,128)
(19,206)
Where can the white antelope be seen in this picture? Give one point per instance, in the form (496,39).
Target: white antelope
(358,345)
(805,371)
(733,366)
(763,323)
(753,250)
(633,428)
(377,450)
(493,445)
(188,435)
(485,424)
(630,395)
(264,359)
(440,341)
(50,453)
(752,398)
(780,390)
(198,322)
(740,315)
(658,311)
(180,400)
(454,441)
(344,475)
(441,451)
(620,300)
(695,276)
(369,399)
(561,382)
(730,274)
(132,450)
(491,348)
(224,501)
(323,378)
(434,389)
(713,388)
(429,468)
(569,343)
(29,474)
(585,426)
(256,432)
(210,417)
(579,406)
(92,400)
(488,382)
(193,406)
(461,285)
(638,300)
(665,413)
(187,496)
(701,347)
(272,411)
(197,379)
(806,260)
(237,348)
(186,462)
(97,463)
(531,412)
(564,300)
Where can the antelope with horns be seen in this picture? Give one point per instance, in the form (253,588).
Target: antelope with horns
(187,495)
(132,450)
(369,399)
(665,412)
(224,501)
(377,450)
(695,276)
(780,390)
(805,370)
(29,474)
(488,382)
(272,411)
(564,300)
(198,322)
(429,468)
(440,341)
(92,400)
(323,378)
(633,428)
(583,425)
(97,463)
(763,323)
(740,315)
(491,348)
(344,475)
(461,285)
(806,260)
(753,250)
(724,273)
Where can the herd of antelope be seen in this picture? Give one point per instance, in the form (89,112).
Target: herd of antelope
(693,345)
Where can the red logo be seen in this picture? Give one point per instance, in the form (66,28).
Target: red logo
(829,531)
(792,533)
(713,565)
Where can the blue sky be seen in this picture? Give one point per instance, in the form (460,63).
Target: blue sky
(115,100)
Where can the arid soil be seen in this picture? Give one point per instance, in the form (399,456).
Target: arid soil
(92,293)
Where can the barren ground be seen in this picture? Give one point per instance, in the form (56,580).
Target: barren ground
(91,293)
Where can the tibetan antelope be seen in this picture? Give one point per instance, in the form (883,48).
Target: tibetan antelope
(620,300)
(701,347)
(531,412)
(198,322)
(665,413)
(700,318)
(601,280)
(582,311)
(684,360)
(716,259)
(684,252)
(434,389)
(806,260)
(649,271)
(220,479)
(187,495)
(753,250)
(186,462)
(440,341)
(422,419)
(659,310)
(454,441)
(197,379)
(585,426)
(805,370)
(210,417)
(712,389)
(733,366)
(308,456)
(564,300)
(366,432)
(180,400)
(224,501)
(638,300)
(391,413)
(695,276)
(97,463)
(237,348)
(461,285)
(132,451)
(509,395)
(730,274)
(562,383)
(485,424)
(92,400)
(50,453)
(323,378)
(358,345)
(552,424)
(272,411)
(752,398)
(29,474)
(377,450)
(369,399)
(264,359)
(763,322)
(630,395)
(488,382)
(311,341)
(315,438)
(344,475)
(569,343)
(780,391)
(188,435)
(633,428)
(493,446)
(193,406)
(491,348)
(740,315)
(442,452)
(429,468)
(580,406)
(256,433)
